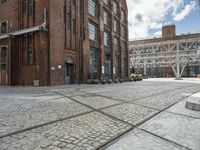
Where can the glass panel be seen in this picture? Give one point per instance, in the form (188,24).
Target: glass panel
(94,62)
(2,51)
(106,39)
(92,7)
(117,66)
(107,65)
(92,32)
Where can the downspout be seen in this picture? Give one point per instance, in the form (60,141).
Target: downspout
(46,14)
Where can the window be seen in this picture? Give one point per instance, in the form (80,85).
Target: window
(25,5)
(74,26)
(116,26)
(3,66)
(123,32)
(124,45)
(106,18)
(106,39)
(92,32)
(69,20)
(123,16)
(30,8)
(2,1)
(107,2)
(92,7)
(115,8)
(4,27)
(3,52)
(117,66)
(107,65)
(30,57)
(116,43)
(28,38)
(74,33)
(94,62)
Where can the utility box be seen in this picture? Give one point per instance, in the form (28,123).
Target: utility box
(36,82)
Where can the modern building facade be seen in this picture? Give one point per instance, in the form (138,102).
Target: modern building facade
(168,56)
(56,42)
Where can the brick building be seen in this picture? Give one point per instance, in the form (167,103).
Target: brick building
(167,56)
(56,42)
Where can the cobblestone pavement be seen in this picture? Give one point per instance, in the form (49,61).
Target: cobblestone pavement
(166,99)
(130,113)
(96,116)
(96,102)
(83,132)
(24,113)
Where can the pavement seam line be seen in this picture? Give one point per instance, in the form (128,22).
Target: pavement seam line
(182,115)
(164,139)
(97,110)
(156,114)
(43,124)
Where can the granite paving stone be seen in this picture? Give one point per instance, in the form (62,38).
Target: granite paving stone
(139,140)
(179,129)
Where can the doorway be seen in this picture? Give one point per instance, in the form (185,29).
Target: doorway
(68,73)
(107,65)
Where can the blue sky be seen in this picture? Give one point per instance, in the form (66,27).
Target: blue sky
(146,17)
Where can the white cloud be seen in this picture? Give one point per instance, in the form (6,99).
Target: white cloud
(185,12)
(158,33)
(145,15)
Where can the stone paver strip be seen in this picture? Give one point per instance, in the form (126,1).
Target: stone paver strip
(166,99)
(71,93)
(139,140)
(84,132)
(180,129)
(130,113)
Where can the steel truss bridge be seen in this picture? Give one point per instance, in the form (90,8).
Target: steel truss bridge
(176,54)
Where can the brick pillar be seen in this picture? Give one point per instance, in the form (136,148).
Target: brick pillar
(101,41)
(120,44)
(86,48)
(9,60)
(112,44)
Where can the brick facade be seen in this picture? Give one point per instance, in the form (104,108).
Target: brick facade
(60,54)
